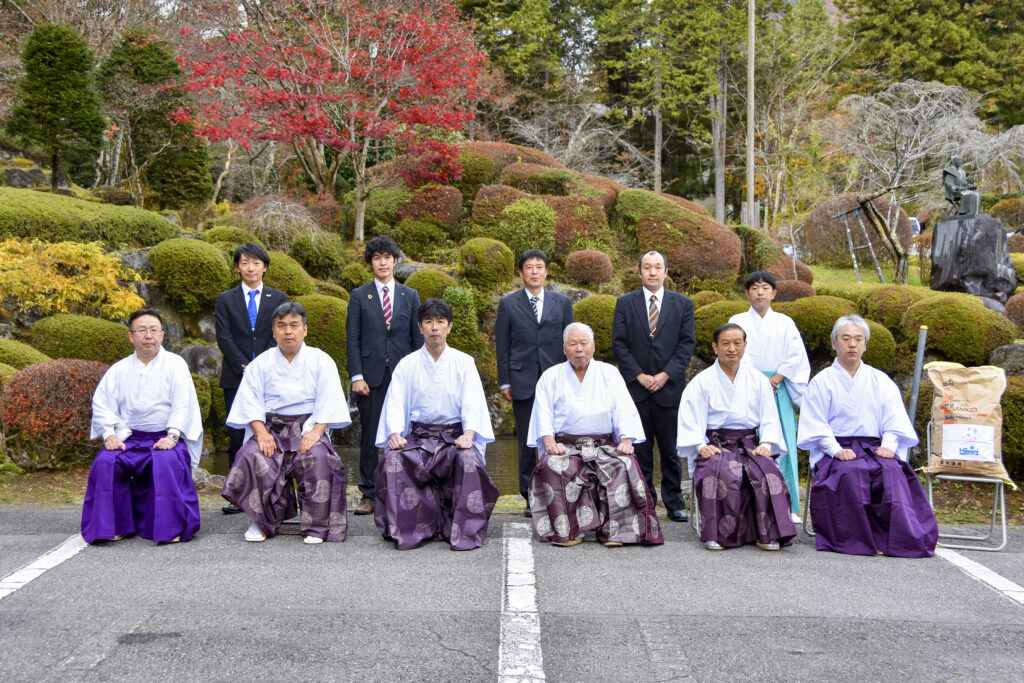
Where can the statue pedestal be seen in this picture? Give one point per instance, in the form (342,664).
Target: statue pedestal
(969,254)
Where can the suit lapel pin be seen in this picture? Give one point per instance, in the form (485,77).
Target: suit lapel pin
(369,296)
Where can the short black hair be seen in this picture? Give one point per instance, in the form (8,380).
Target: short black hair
(760,276)
(382,244)
(289,308)
(726,327)
(434,308)
(252,250)
(145,311)
(529,254)
(640,263)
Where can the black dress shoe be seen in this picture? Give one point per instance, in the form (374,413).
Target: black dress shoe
(231,509)
(678,515)
(527,512)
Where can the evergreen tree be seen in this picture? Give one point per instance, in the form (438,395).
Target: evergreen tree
(57,107)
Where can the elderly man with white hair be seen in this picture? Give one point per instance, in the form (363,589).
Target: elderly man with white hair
(865,498)
(587,478)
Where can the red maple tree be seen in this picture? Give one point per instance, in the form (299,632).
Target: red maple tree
(336,79)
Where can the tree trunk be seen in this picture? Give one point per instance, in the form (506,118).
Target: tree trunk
(718,139)
(658,141)
(58,177)
(232,147)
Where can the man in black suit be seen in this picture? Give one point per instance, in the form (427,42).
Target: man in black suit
(528,337)
(381,330)
(244,323)
(653,337)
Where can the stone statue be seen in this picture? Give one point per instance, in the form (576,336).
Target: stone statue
(963,196)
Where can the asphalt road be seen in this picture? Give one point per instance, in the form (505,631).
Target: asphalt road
(220,609)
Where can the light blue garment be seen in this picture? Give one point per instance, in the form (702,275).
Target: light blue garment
(787,462)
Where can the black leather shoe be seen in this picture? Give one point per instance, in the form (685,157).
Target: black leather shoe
(231,509)
(678,515)
(527,512)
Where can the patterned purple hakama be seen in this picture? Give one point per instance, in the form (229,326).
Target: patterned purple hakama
(742,496)
(871,505)
(141,491)
(592,487)
(262,486)
(432,491)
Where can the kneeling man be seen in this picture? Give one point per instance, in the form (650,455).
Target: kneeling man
(146,410)
(865,498)
(431,483)
(289,397)
(729,431)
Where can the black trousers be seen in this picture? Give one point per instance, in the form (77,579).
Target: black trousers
(370,407)
(522,409)
(235,436)
(660,426)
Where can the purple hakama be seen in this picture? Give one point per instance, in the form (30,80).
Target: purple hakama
(742,496)
(592,487)
(871,505)
(432,491)
(141,491)
(262,486)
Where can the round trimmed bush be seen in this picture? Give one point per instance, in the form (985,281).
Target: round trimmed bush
(580,223)
(326,317)
(465,334)
(228,233)
(477,169)
(1015,243)
(537,179)
(526,224)
(430,283)
(191,272)
(1010,211)
(598,310)
(588,267)
(381,208)
(286,274)
(355,274)
(321,254)
(486,264)
(959,329)
(203,394)
(762,252)
(791,290)
(19,355)
(881,349)
(1015,310)
(332,289)
(814,317)
(707,318)
(438,204)
(418,237)
(6,372)
(79,336)
(705,297)
(888,304)
(1018,266)
(1013,427)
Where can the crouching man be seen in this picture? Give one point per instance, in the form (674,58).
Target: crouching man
(289,397)
(146,410)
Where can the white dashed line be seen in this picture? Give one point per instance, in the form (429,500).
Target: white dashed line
(519,652)
(41,564)
(982,573)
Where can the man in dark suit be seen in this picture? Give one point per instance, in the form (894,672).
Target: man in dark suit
(381,330)
(653,337)
(528,337)
(244,323)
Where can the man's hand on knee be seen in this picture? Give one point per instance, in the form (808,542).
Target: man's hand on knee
(846,454)
(709,450)
(164,444)
(883,452)
(266,443)
(112,443)
(397,441)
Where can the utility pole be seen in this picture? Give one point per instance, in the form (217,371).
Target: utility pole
(753,215)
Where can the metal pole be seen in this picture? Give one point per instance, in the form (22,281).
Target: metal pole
(915,388)
(878,268)
(849,241)
(753,215)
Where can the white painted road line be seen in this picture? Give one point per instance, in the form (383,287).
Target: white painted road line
(519,652)
(982,573)
(41,564)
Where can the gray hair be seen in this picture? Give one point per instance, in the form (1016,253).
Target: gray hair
(290,308)
(572,327)
(851,320)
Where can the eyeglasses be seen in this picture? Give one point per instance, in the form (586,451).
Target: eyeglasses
(149,330)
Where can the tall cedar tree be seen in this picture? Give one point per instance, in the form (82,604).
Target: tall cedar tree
(57,109)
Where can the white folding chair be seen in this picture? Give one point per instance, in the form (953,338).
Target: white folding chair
(979,541)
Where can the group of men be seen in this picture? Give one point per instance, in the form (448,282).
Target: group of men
(595,425)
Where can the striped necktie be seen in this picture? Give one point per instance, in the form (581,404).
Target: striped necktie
(386,301)
(652,314)
(533,305)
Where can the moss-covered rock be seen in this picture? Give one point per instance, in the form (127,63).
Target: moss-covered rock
(331,289)
(598,311)
(888,305)
(5,372)
(814,317)
(486,264)
(465,334)
(203,394)
(588,267)
(286,274)
(761,252)
(325,321)
(705,298)
(791,290)
(19,355)
(881,351)
(707,318)
(321,254)
(1013,427)
(355,274)
(430,283)
(1015,311)
(83,337)
(192,272)
(958,329)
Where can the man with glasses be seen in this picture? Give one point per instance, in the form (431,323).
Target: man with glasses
(146,410)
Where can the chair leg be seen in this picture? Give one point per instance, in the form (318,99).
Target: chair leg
(998,508)
(694,508)
(807,502)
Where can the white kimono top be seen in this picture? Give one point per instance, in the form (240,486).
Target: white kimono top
(712,401)
(867,404)
(308,384)
(774,343)
(148,397)
(600,404)
(447,391)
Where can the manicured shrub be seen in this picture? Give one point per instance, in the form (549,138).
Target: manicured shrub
(82,337)
(418,238)
(580,223)
(814,317)
(331,289)
(1010,212)
(227,233)
(355,274)
(19,355)
(6,372)
(325,320)
(588,267)
(286,274)
(825,237)
(761,252)
(47,413)
(707,318)
(430,283)
(321,254)
(1015,310)
(1015,243)
(1013,427)
(486,264)
(437,204)
(881,351)
(686,203)
(598,310)
(791,290)
(381,208)
(705,298)
(490,201)
(1018,265)
(851,292)
(192,272)
(477,170)
(203,394)
(603,190)
(959,330)
(503,153)
(465,334)
(57,218)
(537,179)
(888,305)
(526,224)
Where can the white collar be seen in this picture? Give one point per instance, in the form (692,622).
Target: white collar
(246,289)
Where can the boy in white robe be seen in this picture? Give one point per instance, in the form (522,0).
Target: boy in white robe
(289,398)
(431,483)
(145,408)
(728,431)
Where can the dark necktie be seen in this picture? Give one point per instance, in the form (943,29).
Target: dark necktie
(652,314)
(533,305)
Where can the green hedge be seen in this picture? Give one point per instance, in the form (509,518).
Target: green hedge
(486,264)
(5,372)
(1013,427)
(192,272)
(465,334)
(881,351)
(19,355)
(325,320)
(418,237)
(322,256)
(959,329)
(430,283)
(227,233)
(332,289)
(814,317)
(598,311)
(707,318)
(526,224)
(355,274)
(83,337)
(286,274)
(705,297)
(203,394)
(888,305)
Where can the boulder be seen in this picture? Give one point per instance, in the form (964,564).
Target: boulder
(575,295)
(15,177)
(970,254)
(204,361)
(993,305)
(136,260)
(1010,358)
(206,482)
(404,270)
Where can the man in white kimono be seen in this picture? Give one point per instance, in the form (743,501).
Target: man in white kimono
(729,431)
(431,483)
(774,347)
(146,410)
(289,398)
(585,423)
(865,498)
